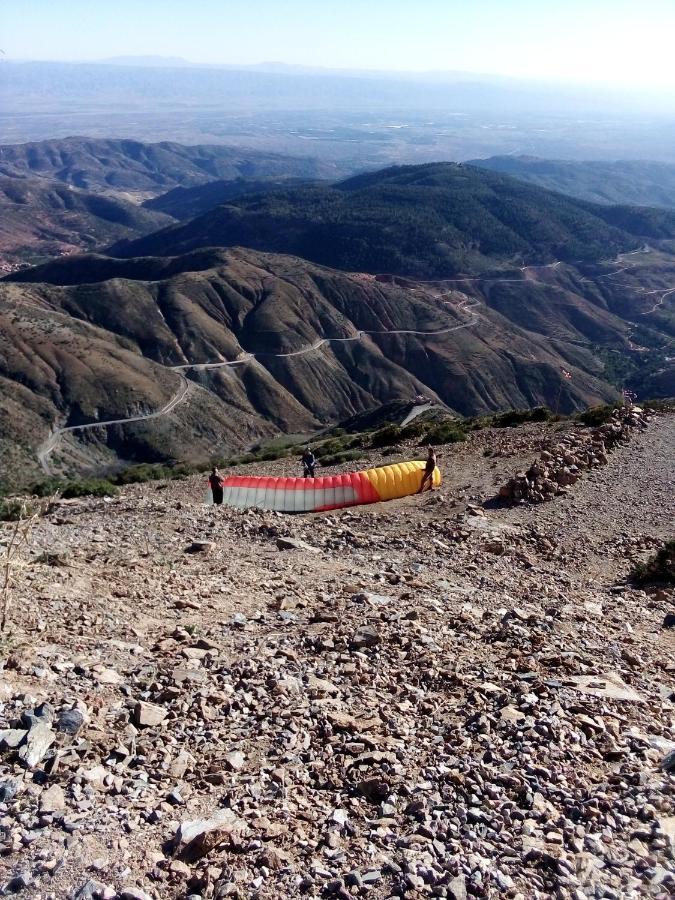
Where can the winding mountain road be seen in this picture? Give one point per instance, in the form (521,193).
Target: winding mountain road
(48,447)
(247,357)
(468,305)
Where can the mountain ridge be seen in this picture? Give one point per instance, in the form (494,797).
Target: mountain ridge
(636,182)
(40,219)
(102,164)
(272,343)
(429,221)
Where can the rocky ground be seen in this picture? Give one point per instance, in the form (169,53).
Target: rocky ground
(439,696)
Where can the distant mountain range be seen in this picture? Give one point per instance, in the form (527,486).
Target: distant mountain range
(80,194)
(355,119)
(637,182)
(430,221)
(134,166)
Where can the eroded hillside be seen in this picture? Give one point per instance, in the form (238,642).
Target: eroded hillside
(267,344)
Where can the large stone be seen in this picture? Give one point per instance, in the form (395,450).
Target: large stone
(134,893)
(668,762)
(365,636)
(147,715)
(200,547)
(235,760)
(295,544)
(53,799)
(8,789)
(39,740)
(70,721)
(198,837)
(457,888)
(11,738)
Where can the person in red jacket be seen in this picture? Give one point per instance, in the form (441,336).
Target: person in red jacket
(216,485)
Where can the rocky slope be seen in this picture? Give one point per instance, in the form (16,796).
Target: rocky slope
(431,697)
(275,344)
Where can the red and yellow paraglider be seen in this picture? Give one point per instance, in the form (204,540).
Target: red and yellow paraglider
(327,492)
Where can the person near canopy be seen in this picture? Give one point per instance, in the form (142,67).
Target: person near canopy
(428,474)
(308,463)
(216,485)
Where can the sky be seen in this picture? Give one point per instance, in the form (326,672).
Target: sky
(610,42)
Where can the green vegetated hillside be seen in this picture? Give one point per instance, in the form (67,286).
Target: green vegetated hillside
(41,219)
(636,182)
(76,353)
(429,221)
(189,202)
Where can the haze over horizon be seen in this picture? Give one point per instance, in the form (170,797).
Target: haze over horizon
(609,44)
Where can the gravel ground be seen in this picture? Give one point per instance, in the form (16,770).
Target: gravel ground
(438,696)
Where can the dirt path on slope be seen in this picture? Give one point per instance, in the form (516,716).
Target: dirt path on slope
(632,495)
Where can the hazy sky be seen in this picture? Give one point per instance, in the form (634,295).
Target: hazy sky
(606,41)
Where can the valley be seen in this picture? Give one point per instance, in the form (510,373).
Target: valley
(295,303)
(80,194)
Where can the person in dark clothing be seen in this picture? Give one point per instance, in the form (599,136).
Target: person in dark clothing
(429,469)
(216,485)
(308,463)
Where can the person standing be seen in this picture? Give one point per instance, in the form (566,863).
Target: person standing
(429,469)
(216,484)
(308,463)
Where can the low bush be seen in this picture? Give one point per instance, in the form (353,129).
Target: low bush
(659,568)
(386,436)
(520,416)
(15,510)
(94,487)
(337,445)
(273,453)
(392,451)
(445,433)
(412,431)
(597,415)
(336,459)
(152,472)
(47,487)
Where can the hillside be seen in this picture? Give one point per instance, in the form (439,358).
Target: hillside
(273,344)
(188,202)
(432,697)
(428,221)
(41,219)
(143,168)
(635,182)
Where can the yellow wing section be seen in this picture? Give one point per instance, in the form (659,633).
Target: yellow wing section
(400,479)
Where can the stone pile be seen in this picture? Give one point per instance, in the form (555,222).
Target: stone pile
(562,464)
